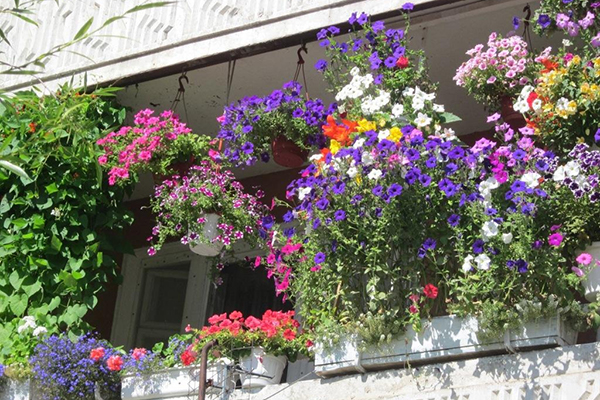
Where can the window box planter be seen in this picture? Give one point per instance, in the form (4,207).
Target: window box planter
(15,390)
(264,369)
(175,382)
(441,339)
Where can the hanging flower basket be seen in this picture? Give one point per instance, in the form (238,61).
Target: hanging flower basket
(264,369)
(513,118)
(210,232)
(180,168)
(287,153)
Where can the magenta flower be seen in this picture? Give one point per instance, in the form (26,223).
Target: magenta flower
(555,239)
(584,259)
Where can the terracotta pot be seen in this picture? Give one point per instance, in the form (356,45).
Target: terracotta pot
(509,115)
(287,153)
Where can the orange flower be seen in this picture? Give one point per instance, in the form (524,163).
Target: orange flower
(32,126)
(550,66)
(339,133)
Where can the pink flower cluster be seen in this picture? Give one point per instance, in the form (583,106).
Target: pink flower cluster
(181,200)
(132,148)
(271,324)
(504,61)
(279,263)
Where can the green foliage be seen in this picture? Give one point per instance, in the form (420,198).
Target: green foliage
(59,227)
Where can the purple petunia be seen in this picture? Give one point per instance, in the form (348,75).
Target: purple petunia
(320,258)
(544,21)
(478,246)
(321,65)
(394,190)
(453,220)
(340,215)
(408,6)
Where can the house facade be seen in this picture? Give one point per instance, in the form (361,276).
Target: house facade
(196,56)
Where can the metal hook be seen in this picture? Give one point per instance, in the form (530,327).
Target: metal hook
(181,78)
(302,48)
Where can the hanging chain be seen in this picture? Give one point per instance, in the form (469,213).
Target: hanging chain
(526,26)
(180,96)
(300,68)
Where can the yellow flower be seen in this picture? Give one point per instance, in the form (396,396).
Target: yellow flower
(334,146)
(364,125)
(358,179)
(395,134)
(382,122)
(576,60)
(571,107)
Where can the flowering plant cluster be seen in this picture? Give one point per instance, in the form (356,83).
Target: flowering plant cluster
(368,74)
(249,126)
(153,144)
(66,369)
(575,18)
(277,332)
(181,205)
(498,71)
(564,106)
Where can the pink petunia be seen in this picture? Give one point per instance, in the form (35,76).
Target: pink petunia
(555,239)
(584,259)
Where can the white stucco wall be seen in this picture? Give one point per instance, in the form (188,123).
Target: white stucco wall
(568,373)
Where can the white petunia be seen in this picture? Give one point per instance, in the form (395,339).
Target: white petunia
(422,120)
(303,192)
(467,263)
(572,169)
(40,330)
(359,143)
(507,237)
(559,174)
(352,172)
(489,230)
(367,158)
(531,179)
(483,262)
(384,134)
(397,110)
(374,174)
(439,108)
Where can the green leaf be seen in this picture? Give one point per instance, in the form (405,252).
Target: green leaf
(55,302)
(31,289)
(447,118)
(148,5)
(18,304)
(83,30)
(15,280)
(38,221)
(111,20)
(3,36)
(51,188)
(24,18)
(55,243)
(20,223)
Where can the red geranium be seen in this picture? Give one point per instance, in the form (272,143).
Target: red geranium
(97,353)
(114,363)
(138,353)
(188,357)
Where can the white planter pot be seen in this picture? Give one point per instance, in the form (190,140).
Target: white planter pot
(591,281)
(15,390)
(262,364)
(210,232)
(177,382)
(441,339)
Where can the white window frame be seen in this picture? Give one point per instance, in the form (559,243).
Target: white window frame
(130,293)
